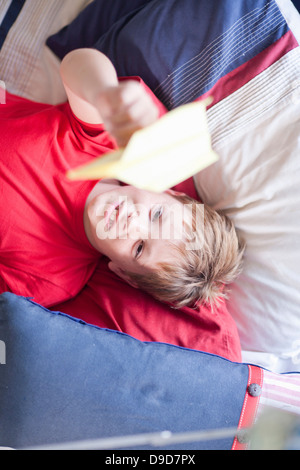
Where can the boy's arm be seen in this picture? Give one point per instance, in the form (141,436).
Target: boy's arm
(96,96)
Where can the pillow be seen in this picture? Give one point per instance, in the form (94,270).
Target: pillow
(180,53)
(64,380)
(27,66)
(108,302)
(95,20)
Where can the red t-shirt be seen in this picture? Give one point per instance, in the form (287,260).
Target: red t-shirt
(44,252)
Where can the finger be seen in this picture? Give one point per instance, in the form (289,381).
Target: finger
(115,98)
(142,112)
(123,128)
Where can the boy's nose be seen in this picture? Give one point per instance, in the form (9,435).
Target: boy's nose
(137,224)
(133,222)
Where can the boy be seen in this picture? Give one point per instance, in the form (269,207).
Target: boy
(52,231)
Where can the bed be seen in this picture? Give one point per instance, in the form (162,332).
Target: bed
(247,57)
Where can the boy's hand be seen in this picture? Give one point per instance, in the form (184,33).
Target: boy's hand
(125,109)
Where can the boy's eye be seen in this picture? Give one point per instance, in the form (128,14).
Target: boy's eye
(139,249)
(157,213)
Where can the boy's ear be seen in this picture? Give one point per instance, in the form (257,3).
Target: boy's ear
(121,273)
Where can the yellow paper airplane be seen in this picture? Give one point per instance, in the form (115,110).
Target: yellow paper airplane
(158,157)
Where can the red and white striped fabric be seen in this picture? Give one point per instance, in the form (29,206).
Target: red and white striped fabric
(266,391)
(281,391)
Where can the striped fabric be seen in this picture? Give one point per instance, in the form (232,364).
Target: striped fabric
(251,101)
(202,71)
(11,14)
(25,42)
(267,392)
(26,66)
(280,391)
(183,52)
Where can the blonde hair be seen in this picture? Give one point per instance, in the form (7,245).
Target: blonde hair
(205,267)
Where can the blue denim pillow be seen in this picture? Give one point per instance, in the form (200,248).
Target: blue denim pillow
(63,380)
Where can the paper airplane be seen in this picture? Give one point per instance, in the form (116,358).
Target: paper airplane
(158,157)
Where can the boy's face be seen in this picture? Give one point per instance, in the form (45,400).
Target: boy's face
(135,228)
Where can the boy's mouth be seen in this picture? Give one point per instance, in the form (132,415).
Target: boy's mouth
(112,215)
